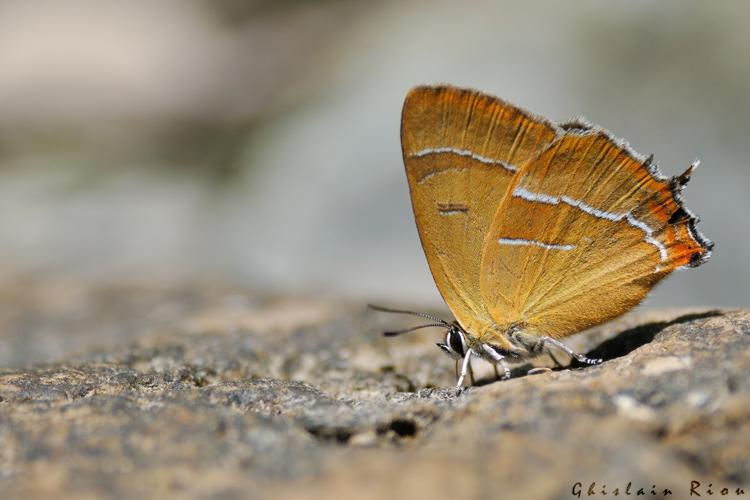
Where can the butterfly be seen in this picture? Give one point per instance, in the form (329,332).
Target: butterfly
(535,230)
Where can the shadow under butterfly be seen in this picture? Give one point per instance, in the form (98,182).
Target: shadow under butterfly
(533,230)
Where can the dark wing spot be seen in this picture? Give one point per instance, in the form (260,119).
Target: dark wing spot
(452,208)
(683,178)
(576,126)
(695,258)
(679,215)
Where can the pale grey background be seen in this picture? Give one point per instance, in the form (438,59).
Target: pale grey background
(256,143)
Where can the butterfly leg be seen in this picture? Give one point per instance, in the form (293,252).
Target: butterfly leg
(549,341)
(554,360)
(464,370)
(498,359)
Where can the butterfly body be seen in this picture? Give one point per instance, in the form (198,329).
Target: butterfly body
(534,230)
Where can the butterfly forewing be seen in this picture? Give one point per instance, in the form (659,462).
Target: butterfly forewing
(586,230)
(461,150)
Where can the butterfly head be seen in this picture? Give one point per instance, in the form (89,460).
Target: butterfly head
(456,342)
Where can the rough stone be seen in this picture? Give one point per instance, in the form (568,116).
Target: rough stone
(226,395)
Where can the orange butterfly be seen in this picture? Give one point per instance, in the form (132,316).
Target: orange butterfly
(534,230)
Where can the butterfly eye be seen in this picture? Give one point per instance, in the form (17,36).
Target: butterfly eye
(455,341)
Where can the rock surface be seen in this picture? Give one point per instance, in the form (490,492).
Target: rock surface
(224,395)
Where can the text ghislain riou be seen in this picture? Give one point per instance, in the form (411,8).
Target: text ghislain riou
(696,489)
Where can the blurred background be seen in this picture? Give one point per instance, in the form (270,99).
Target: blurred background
(256,143)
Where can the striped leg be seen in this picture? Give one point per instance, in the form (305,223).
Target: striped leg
(549,341)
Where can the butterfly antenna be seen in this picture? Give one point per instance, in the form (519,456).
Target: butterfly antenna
(407,330)
(413,313)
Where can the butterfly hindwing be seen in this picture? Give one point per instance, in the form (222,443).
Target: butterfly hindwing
(462,149)
(587,228)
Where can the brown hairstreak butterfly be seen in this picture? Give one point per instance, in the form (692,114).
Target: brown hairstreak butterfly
(535,230)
